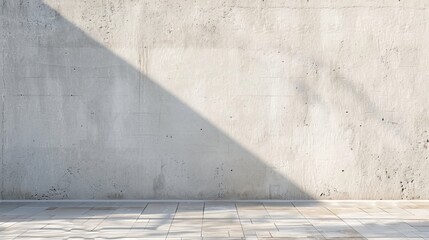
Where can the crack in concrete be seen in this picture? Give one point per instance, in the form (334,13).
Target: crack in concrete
(2,129)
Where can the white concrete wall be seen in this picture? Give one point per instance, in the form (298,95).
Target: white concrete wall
(205,99)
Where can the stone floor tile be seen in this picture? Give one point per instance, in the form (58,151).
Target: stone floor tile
(220,210)
(282,210)
(159,210)
(252,210)
(190,210)
(25,211)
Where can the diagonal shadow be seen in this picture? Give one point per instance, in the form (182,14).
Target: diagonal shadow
(80,122)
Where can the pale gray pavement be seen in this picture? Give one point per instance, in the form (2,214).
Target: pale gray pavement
(215,220)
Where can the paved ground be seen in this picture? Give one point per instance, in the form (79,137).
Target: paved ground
(215,220)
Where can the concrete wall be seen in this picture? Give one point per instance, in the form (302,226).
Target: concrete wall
(205,99)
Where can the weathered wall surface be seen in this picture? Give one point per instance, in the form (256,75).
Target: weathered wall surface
(214,99)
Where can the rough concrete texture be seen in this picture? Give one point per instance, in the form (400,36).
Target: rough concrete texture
(205,99)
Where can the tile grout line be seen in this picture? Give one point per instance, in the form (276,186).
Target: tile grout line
(202,220)
(239,219)
(144,229)
(271,217)
(345,221)
(309,221)
(172,220)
